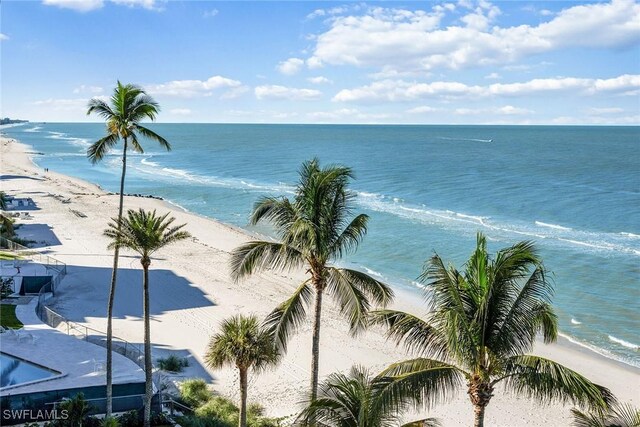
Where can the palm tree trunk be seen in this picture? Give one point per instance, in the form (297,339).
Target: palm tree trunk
(480,394)
(478,416)
(112,289)
(148,385)
(315,347)
(242,422)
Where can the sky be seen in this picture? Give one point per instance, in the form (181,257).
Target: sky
(428,62)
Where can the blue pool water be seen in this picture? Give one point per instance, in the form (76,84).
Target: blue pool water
(574,190)
(14,371)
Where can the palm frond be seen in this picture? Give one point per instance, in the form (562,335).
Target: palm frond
(148,133)
(351,236)
(101,108)
(546,381)
(422,382)
(289,316)
(413,333)
(425,422)
(355,291)
(101,147)
(279,211)
(254,256)
(620,415)
(242,342)
(515,330)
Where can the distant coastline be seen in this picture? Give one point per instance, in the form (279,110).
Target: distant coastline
(8,121)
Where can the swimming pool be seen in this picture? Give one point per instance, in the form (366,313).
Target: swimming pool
(15,371)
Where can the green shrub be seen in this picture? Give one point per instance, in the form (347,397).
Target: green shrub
(130,419)
(110,422)
(173,363)
(194,392)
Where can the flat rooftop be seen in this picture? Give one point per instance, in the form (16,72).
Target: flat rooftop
(81,363)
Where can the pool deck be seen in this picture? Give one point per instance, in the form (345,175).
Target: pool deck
(81,363)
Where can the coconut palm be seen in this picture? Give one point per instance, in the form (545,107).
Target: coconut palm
(482,322)
(129,105)
(315,230)
(245,344)
(620,415)
(145,233)
(358,400)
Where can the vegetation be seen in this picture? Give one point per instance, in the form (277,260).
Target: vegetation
(145,233)
(217,411)
(358,400)
(315,229)
(7,229)
(129,106)
(482,323)
(221,412)
(245,344)
(77,409)
(8,317)
(173,363)
(194,392)
(619,415)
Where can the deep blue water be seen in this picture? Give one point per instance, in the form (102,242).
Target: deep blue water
(574,190)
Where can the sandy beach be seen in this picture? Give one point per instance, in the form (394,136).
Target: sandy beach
(191,292)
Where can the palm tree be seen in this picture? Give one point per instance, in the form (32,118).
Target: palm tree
(358,400)
(482,322)
(314,230)
(621,415)
(245,344)
(145,233)
(129,106)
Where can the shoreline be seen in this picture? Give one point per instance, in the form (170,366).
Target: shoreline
(564,339)
(220,296)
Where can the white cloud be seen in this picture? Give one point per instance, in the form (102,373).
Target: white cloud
(89,5)
(422,109)
(3,37)
(415,39)
(291,66)
(605,110)
(192,88)
(493,76)
(88,89)
(77,5)
(210,13)
(235,92)
(399,90)
(349,115)
(69,104)
(507,110)
(180,111)
(283,92)
(145,4)
(319,80)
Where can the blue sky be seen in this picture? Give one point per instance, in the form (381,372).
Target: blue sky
(512,62)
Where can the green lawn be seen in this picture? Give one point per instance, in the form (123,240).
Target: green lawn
(7,256)
(8,317)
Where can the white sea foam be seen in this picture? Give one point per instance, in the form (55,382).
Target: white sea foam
(554,226)
(33,129)
(575,322)
(464,139)
(624,343)
(630,235)
(600,351)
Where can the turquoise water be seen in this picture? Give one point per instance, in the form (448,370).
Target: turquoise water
(574,190)
(15,371)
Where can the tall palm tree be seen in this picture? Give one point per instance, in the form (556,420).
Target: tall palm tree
(482,322)
(245,344)
(314,230)
(145,233)
(128,107)
(358,400)
(620,415)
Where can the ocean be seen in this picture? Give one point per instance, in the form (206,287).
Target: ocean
(575,191)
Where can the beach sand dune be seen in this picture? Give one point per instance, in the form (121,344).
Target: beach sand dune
(191,292)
